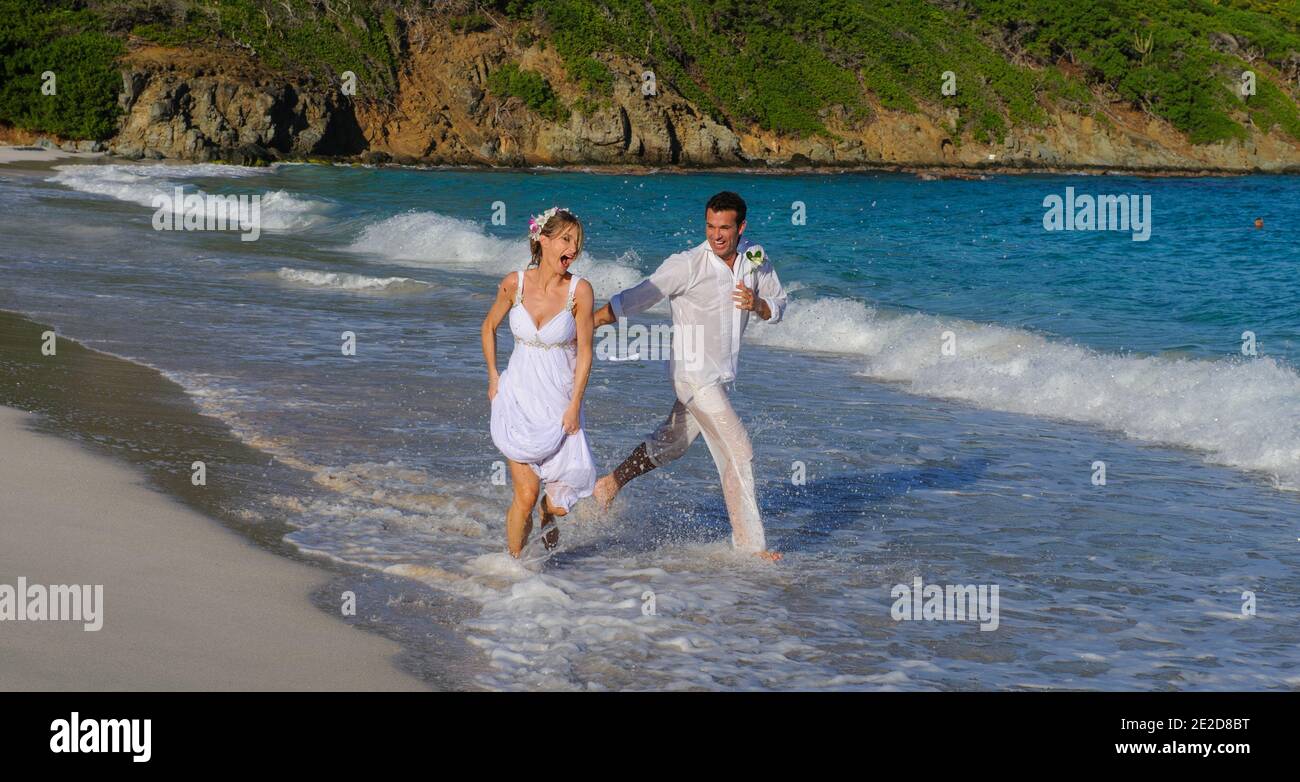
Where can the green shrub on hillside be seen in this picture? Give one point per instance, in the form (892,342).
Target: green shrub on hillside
(68,41)
(1160,54)
(530,87)
(780,63)
(469,23)
(790,66)
(591,73)
(303,37)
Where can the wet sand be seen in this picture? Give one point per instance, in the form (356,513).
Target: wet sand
(187,604)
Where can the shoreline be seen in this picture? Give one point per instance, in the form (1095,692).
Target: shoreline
(187,604)
(29,154)
(10,154)
(115,414)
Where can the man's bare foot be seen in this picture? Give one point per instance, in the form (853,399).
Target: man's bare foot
(605,491)
(770,556)
(550,530)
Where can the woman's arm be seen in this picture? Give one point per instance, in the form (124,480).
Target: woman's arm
(504,300)
(583,298)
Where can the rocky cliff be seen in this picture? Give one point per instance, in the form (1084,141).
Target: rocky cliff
(208,106)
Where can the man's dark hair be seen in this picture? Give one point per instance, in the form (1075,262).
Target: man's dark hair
(727,200)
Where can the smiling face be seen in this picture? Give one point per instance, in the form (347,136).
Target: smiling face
(723,232)
(561,241)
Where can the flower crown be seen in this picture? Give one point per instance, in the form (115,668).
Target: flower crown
(538,222)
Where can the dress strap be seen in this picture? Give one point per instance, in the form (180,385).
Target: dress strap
(519,289)
(573,286)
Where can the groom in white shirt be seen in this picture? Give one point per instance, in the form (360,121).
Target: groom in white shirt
(711,289)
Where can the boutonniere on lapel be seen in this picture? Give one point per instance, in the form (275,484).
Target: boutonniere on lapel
(755,257)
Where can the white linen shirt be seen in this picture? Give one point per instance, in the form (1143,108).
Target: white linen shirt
(699,288)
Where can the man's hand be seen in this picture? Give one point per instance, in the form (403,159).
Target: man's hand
(746,300)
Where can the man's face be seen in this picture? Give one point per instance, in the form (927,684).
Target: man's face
(723,232)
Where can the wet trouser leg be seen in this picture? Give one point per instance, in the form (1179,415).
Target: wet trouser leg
(708,411)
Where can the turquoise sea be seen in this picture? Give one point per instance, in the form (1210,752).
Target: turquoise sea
(948,379)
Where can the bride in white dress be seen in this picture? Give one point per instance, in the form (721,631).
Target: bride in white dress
(537,402)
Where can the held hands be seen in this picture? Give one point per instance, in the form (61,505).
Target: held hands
(603,316)
(571,421)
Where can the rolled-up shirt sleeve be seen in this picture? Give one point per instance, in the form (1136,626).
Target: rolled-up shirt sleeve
(670,279)
(770,290)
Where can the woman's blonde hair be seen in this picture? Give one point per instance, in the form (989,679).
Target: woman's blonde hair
(559,220)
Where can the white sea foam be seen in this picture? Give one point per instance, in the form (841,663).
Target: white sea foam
(350,282)
(436,241)
(718,620)
(141,184)
(1242,413)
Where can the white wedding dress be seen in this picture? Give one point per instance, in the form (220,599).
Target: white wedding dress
(532,395)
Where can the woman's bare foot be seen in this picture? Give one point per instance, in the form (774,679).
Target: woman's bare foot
(605,491)
(550,534)
(550,530)
(551,510)
(770,556)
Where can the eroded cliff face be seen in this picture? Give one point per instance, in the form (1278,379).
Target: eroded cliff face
(195,106)
(447,113)
(179,104)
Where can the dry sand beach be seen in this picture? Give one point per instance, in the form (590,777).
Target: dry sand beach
(187,605)
(29,154)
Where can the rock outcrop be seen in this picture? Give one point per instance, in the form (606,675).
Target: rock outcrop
(446,113)
(179,105)
(196,106)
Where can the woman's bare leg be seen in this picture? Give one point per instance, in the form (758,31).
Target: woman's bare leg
(519,518)
(552,510)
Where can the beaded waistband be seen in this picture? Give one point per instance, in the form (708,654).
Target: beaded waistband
(537,343)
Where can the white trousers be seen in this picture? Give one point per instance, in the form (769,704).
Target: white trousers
(708,411)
